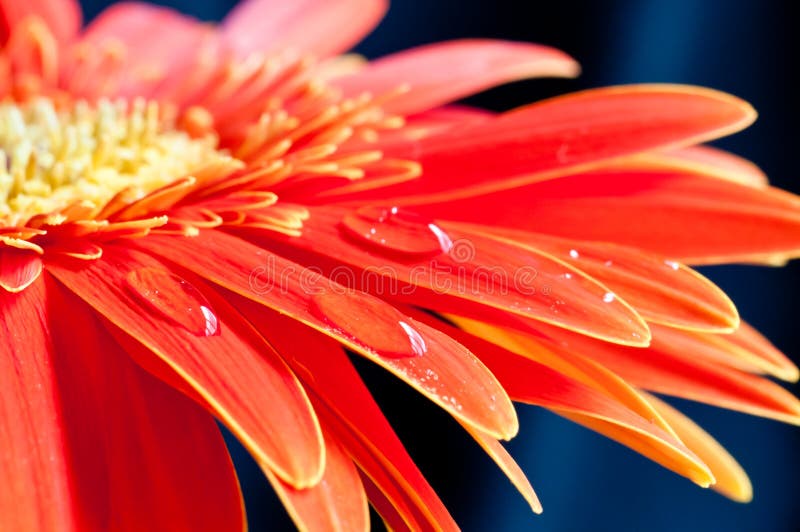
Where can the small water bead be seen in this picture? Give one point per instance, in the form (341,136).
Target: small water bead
(396,230)
(609,297)
(173,298)
(370,322)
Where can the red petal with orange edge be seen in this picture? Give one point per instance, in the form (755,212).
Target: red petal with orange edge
(34,468)
(338,502)
(320,27)
(213,351)
(365,324)
(564,135)
(441,73)
(18,268)
(348,409)
(681,216)
(148,457)
(462,272)
(661,290)
(666,367)
(63,17)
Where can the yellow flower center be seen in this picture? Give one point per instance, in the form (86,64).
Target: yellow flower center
(51,158)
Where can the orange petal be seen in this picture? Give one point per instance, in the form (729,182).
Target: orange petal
(674,365)
(687,218)
(147,457)
(197,338)
(507,464)
(564,135)
(451,270)
(320,27)
(661,290)
(705,161)
(369,326)
(338,502)
(34,468)
(538,384)
(444,72)
(732,481)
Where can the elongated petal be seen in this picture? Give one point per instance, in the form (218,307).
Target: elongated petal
(147,458)
(34,468)
(337,503)
(732,481)
(464,272)
(18,268)
(753,347)
(230,368)
(564,135)
(661,290)
(592,406)
(707,161)
(354,418)
(691,219)
(365,324)
(669,367)
(319,27)
(441,73)
(507,464)
(63,17)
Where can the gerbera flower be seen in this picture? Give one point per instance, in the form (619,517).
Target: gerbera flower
(198,222)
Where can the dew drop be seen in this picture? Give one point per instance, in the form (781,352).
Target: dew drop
(574,254)
(370,322)
(672,264)
(174,299)
(396,230)
(609,297)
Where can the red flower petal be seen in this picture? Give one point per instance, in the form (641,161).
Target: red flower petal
(363,323)
(338,502)
(681,216)
(441,73)
(563,135)
(132,23)
(354,419)
(146,457)
(708,161)
(661,290)
(465,272)
(319,27)
(230,368)
(63,17)
(34,468)
(18,268)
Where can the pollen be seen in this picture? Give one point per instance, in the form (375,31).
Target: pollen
(50,157)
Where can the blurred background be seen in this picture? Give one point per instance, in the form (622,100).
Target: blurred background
(745,47)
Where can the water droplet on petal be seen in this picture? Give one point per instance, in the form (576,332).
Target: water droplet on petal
(574,253)
(672,264)
(370,322)
(609,297)
(396,230)
(175,299)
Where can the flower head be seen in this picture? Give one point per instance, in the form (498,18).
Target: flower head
(198,222)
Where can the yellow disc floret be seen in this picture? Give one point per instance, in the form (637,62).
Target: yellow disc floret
(52,158)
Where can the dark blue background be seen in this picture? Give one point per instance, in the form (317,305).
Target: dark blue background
(586,482)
